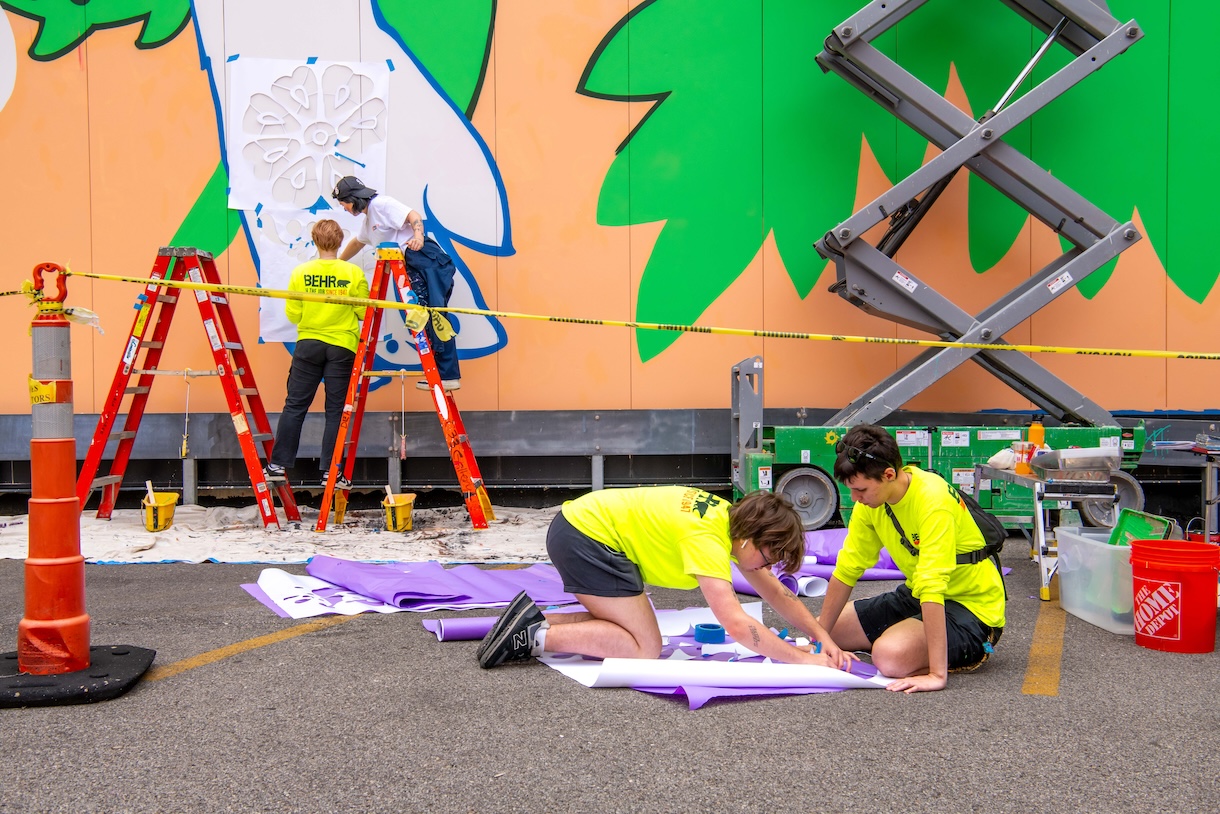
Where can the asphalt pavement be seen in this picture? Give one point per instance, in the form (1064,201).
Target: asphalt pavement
(373,714)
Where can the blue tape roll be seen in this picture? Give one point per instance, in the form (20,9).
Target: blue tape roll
(709,634)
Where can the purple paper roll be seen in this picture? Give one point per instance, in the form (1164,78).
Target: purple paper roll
(460,629)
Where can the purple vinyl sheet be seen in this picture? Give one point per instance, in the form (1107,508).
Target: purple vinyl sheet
(541,581)
(483,585)
(414,584)
(825,544)
(696,697)
(425,581)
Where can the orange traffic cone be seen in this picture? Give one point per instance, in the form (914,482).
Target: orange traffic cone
(55,662)
(54,635)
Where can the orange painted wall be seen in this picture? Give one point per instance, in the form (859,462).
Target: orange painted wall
(113,145)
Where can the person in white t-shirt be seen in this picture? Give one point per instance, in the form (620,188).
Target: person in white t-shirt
(429,268)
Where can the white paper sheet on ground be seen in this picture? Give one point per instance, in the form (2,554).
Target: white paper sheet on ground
(682,671)
(701,673)
(302,595)
(677,623)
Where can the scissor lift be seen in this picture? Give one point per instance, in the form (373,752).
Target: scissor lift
(797,461)
(868,276)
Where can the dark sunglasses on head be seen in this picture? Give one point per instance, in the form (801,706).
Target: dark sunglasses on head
(854,454)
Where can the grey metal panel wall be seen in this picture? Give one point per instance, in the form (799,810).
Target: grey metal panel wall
(537,433)
(493,433)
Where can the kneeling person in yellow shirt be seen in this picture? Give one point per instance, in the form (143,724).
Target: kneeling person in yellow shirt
(607,544)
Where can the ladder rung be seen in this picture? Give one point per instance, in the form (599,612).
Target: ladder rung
(232,345)
(132,391)
(151,344)
(105,480)
(122,434)
(247,391)
(170,298)
(262,436)
(220,299)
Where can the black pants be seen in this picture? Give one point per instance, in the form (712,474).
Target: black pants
(313,361)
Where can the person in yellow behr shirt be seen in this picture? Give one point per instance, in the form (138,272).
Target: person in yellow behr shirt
(607,544)
(327,336)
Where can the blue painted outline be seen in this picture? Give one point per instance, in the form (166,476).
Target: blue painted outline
(506,248)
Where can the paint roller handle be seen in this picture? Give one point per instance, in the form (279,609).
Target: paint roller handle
(152,501)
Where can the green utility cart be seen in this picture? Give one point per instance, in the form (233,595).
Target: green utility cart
(798,461)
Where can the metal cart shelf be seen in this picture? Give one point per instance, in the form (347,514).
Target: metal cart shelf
(1073,485)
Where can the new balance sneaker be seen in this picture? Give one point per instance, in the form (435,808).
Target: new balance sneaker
(448,384)
(273,472)
(340,482)
(514,640)
(521,602)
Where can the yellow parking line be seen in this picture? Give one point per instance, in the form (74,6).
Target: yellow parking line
(157,673)
(1045,651)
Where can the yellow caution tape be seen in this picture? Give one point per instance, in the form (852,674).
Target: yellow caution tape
(879,340)
(416,317)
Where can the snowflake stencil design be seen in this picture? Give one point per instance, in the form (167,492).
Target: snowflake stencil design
(294,145)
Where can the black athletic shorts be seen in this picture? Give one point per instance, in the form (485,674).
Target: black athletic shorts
(589,567)
(966,635)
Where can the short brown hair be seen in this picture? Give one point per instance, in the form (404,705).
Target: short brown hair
(327,235)
(866,450)
(770,521)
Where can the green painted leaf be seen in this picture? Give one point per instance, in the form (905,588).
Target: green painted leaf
(740,142)
(450,38)
(698,163)
(64,24)
(210,225)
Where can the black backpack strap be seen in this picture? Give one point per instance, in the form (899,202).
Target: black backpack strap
(968,558)
(980,554)
(914,552)
(987,552)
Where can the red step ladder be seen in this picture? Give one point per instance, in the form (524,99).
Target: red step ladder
(391,268)
(155,309)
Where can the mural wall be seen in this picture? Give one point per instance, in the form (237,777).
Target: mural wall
(667,161)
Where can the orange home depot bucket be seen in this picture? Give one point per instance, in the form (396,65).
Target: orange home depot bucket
(1174,584)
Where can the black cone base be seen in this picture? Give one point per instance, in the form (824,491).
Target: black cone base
(112,671)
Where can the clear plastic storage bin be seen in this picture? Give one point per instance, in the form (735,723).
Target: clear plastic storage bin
(1095,578)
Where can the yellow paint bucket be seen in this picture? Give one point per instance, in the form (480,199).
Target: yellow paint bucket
(398,511)
(159,510)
